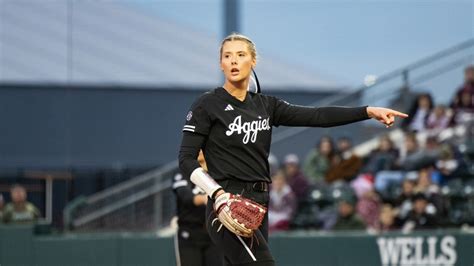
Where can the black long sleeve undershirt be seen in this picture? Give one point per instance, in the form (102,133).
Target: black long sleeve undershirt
(190,146)
(294,115)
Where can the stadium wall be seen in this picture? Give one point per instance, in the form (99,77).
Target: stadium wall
(93,127)
(19,246)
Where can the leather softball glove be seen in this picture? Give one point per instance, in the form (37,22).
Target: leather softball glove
(238,214)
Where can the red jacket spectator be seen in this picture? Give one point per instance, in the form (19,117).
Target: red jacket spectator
(294,177)
(282,205)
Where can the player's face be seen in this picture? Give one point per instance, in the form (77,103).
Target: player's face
(236,61)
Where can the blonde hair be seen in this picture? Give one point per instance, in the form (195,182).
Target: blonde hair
(239,37)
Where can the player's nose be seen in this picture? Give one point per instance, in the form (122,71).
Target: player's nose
(233,60)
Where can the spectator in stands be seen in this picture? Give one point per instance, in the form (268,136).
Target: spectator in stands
(295,178)
(447,164)
(424,184)
(344,144)
(421,217)
(273,163)
(282,204)
(387,221)
(2,205)
(418,113)
(20,211)
(345,165)
(416,157)
(383,158)
(431,152)
(431,191)
(368,208)
(403,203)
(318,160)
(386,180)
(463,101)
(438,119)
(347,218)
(412,151)
(411,159)
(362,183)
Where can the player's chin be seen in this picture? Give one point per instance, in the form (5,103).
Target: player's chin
(236,78)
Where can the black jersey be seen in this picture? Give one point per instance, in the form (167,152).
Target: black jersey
(189,215)
(236,135)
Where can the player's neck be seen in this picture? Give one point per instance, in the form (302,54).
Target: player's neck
(238,90)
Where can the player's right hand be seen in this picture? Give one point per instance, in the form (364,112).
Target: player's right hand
(384,115)
(200,199)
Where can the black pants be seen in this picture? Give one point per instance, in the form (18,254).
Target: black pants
(193,247)
(240,250)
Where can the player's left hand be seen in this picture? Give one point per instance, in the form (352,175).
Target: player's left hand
(239,215)
(384,115)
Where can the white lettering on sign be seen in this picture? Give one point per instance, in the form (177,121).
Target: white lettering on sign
(409,251)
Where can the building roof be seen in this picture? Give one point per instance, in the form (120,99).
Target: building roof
(112,43)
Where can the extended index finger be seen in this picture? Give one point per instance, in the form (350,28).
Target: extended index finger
(399,114)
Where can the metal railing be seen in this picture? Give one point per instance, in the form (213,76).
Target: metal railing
(394,89)
(135,203)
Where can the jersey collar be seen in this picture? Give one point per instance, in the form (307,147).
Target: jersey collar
(224,94)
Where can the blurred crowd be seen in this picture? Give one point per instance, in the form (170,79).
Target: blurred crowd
(19,210)
(423,180)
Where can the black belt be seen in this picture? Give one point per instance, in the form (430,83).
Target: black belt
(192,226)
(259,186)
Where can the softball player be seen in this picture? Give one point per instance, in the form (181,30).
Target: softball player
(233,126)
(193,246)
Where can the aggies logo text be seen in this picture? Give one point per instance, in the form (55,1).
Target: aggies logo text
(249,129)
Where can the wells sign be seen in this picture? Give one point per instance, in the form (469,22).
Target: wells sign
(408,250)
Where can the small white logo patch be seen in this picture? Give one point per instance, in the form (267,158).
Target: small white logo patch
(189,116)
(178,177)
(185,234)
